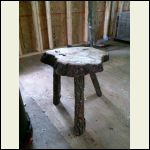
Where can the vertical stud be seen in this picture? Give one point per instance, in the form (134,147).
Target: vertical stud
(69,22)
(86,23)
(107,19)
(36,23)
(49,24)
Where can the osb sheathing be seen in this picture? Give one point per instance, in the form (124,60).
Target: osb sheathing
(78,13)
(99,19)
(26,29)
(126,6)
(43,22)
(113,15)
(59,24)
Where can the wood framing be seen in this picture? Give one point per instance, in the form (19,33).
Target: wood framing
(20,49)
(113,16)
(49,24)
(43,24)
(126,6)
(69,22)
(31,54)
(98,19)
(78,21)
(36,23)
(86,22)
(120,7)
(20,43)
(107,19)
(59,23)
(39,26)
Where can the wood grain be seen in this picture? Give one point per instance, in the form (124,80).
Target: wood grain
(75,61)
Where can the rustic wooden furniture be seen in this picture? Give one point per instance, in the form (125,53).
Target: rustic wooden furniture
(75,62)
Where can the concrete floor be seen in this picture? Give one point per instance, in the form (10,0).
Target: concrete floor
(107,117)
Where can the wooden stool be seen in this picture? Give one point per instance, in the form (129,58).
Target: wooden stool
(75,62)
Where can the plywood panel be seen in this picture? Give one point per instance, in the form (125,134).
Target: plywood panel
(26,28)
(123,6)
(43,22)
(78,11)
(117,6)
(99,19)
(58,19)
(113,18)
(100,5)
(126,6)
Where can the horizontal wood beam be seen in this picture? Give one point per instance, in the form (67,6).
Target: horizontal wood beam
(30,54)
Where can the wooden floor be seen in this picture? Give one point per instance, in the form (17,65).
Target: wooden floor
(107,117)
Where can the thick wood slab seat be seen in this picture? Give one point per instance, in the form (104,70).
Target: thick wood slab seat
(75,61)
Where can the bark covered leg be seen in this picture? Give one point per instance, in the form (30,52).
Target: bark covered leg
(56,88)
(96,84)
(79,120)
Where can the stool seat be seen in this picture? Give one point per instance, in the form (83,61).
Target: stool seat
(75,61)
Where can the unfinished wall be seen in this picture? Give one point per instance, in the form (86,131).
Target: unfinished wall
(37,18)
(50,24)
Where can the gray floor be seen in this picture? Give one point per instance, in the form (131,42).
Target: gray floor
(107,117)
